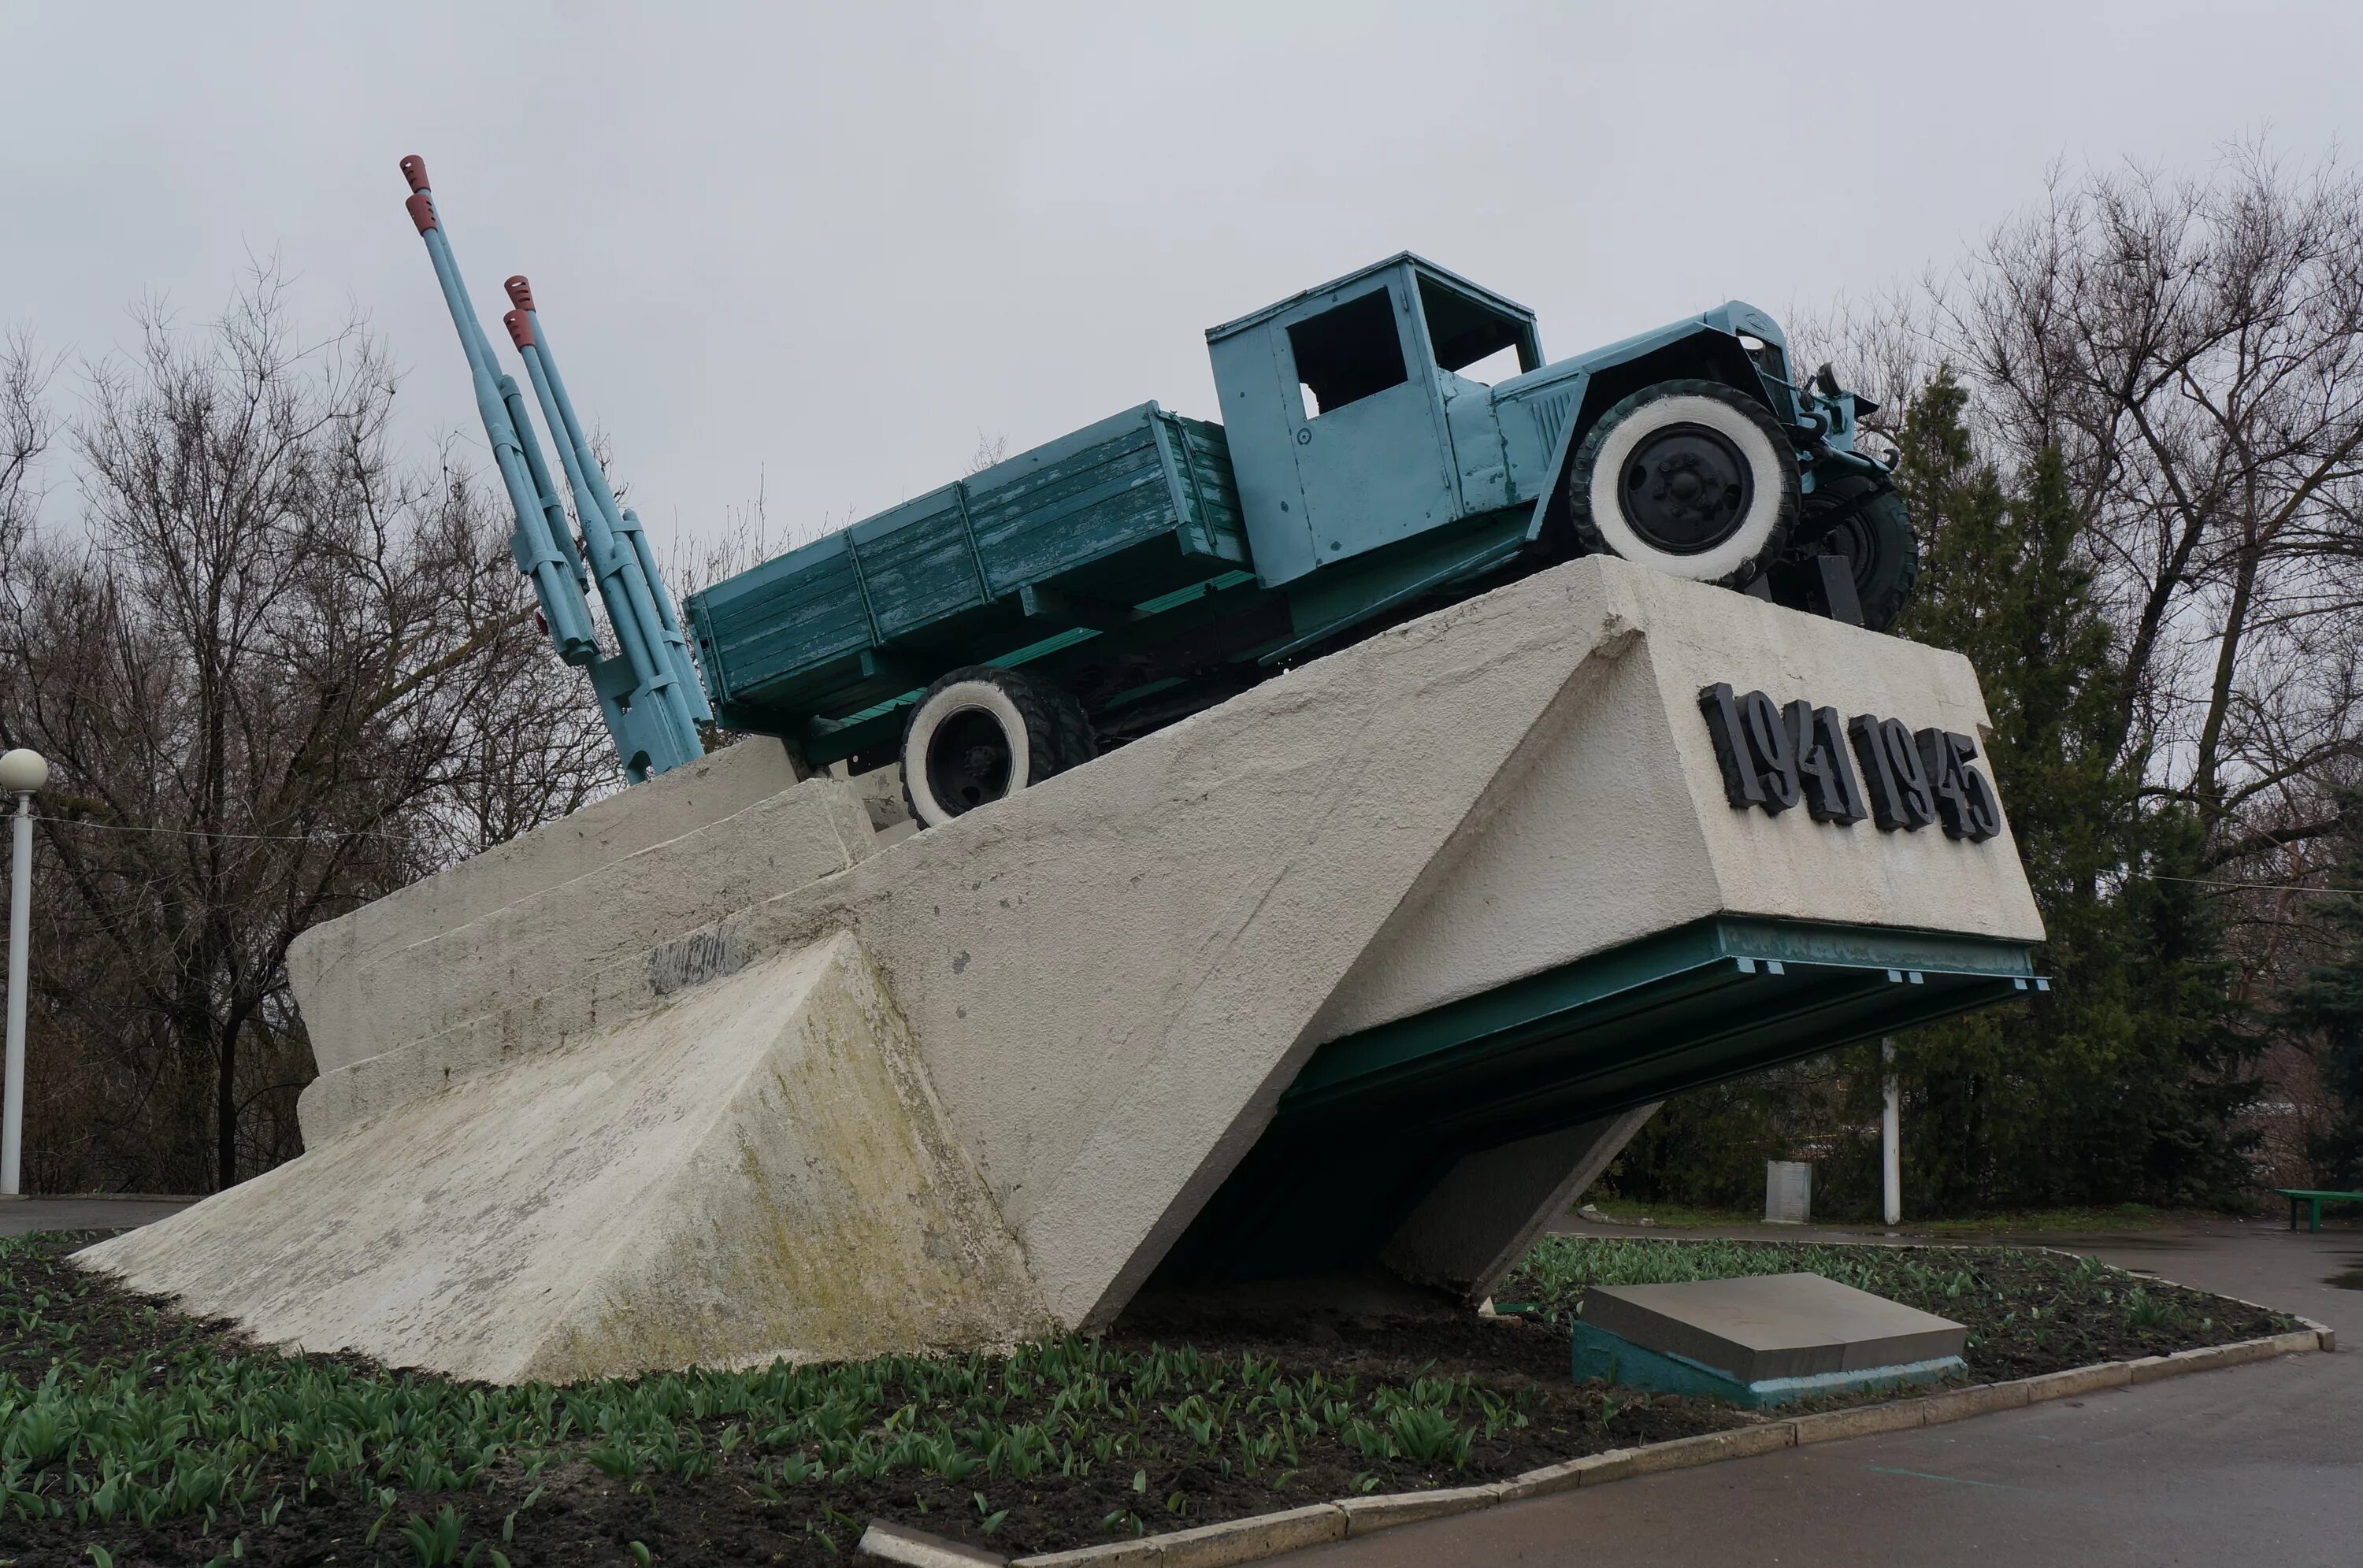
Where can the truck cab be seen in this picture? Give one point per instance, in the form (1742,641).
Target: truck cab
(1350,428)
(1359,445)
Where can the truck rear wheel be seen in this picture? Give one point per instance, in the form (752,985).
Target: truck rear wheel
(979,734)
(1690,478)
(1078,741)
(1863,521)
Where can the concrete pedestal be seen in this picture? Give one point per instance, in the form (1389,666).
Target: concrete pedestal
(1380,959)
(1478,1221)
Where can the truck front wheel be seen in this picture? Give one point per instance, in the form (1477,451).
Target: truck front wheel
(1691,478)
(981,732)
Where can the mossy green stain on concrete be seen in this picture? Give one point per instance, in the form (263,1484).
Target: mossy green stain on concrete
(837,1219)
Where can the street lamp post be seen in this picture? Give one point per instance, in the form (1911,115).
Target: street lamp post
(1891,1138)
(22,773)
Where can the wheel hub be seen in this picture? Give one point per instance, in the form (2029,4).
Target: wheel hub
(1850,541)
(969,761)
(1687,487)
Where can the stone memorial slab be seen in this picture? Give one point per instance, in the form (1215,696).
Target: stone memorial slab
(1761,1340)
(1772,1325)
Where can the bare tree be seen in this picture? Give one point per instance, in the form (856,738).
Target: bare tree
(2194,348)
(990,449)
(25,430)
(277,674)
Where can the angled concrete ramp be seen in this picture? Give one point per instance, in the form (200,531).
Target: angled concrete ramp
(757,1169)
(1179,1009)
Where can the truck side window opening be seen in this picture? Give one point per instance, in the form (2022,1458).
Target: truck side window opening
(1498,366)
(1473,341)
(1347,354)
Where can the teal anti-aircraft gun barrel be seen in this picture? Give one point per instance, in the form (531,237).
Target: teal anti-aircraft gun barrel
(620,555)
(648,693)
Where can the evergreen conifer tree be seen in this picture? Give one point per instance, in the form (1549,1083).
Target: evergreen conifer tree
(2124,1081)
(2329,1002)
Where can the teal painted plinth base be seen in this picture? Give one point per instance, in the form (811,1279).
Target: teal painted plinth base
(1618,1360)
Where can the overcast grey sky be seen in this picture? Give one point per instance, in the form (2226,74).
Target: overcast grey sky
(835,244)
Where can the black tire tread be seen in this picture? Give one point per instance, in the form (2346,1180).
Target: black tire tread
(1078,741)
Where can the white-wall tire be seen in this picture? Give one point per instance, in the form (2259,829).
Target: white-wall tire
(1690,478)
(979,734)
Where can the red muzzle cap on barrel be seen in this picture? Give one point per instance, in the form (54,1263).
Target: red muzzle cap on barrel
(520,329)
(421,208)
(520,291)
(414,168)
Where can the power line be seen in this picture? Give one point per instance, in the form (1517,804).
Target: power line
(249,837)
(2256,887)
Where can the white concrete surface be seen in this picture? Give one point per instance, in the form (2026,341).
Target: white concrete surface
(436,995)
(1111,977)
(574,846)
(1612,823)
(755,1169)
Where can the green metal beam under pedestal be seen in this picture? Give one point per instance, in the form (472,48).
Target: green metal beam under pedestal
(1377,1118)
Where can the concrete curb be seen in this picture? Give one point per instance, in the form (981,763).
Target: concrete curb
(1249,1540)
(1364,1514)
(883,1542)
(1269,1535)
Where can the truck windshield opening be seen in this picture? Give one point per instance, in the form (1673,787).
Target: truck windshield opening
(1471,338)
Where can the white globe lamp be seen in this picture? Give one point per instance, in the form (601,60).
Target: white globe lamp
(23,771)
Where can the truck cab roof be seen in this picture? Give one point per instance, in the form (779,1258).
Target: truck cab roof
(1468,320)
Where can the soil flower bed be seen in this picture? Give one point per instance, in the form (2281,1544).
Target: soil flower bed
(132,1435)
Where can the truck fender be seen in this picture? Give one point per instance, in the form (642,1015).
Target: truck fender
(1692,350)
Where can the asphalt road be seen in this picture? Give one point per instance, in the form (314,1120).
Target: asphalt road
(25,1215)
(2256,1465)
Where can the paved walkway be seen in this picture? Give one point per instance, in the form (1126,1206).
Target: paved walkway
(28,1214)
(2259,1465)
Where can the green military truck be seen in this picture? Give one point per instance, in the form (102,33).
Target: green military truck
(1015,624)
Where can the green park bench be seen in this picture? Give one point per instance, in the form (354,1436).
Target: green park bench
(2315,1200)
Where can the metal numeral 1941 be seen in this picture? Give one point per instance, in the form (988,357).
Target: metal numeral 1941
(1774,756)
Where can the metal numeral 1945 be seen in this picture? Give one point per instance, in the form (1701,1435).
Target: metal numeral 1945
(1775,757)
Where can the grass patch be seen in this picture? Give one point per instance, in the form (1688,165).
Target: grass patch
(154,1436)
(129,1433)
(1682,1214)
(2119,1216)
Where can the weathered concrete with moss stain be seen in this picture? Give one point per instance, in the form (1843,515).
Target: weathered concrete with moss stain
(326,962)
(756,1169)
(364,998)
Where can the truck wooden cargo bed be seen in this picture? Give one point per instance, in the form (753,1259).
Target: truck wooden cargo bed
(1113,517)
